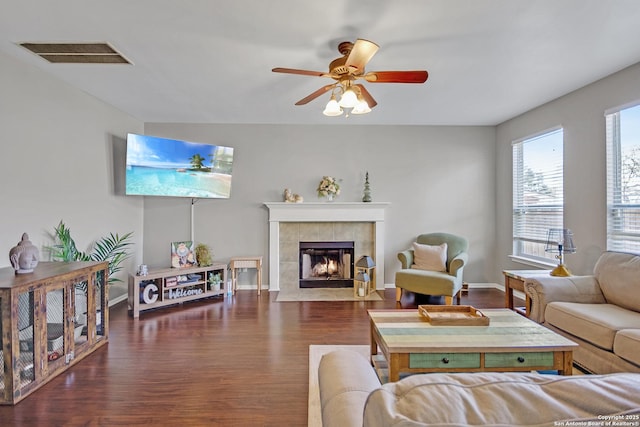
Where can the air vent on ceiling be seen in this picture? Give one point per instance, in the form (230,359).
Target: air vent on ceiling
(76,53)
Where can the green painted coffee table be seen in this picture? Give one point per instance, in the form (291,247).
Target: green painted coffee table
(511,342)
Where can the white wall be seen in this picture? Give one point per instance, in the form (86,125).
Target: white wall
(62,154)
(581,114)
(436,179)
(62,159)
(57,162)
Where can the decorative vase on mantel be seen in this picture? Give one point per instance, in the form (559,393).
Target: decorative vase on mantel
(328,188)
(366,198)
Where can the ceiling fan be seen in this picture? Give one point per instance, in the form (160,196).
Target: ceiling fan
(345,71)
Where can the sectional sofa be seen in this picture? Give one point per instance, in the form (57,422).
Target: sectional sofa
(601,312)
(352,395)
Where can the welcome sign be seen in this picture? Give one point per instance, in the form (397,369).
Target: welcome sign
(181,293)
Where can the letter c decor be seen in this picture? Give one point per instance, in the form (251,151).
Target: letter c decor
(150,293)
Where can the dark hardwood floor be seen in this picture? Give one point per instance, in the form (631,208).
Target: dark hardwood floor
(237,362)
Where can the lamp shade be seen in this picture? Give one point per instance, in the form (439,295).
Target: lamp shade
(560,240)
(332,108)
(365,262)
(349,99)
(361,107)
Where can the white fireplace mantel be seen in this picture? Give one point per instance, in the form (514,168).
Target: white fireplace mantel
(324,212)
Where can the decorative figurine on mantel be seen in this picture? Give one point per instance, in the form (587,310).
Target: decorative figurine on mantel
(367,190)
(24,256)
(290,197)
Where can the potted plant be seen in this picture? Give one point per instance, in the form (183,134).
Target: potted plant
(214,281)
(113,248)
(203,255)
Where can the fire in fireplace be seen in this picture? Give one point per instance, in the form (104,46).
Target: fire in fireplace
(326,264)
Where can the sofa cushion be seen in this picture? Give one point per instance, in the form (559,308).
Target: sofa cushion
(627,345)
(595,323)
(345,379)
(501,399)
(430,257)
(619,277)
(439,283)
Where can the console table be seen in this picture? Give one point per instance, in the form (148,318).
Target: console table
(49,320)
(246,262)
(170,286)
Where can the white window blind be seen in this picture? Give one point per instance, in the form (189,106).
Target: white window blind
(623,179)
(538,200)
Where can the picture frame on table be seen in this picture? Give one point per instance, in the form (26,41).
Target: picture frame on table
(182,254)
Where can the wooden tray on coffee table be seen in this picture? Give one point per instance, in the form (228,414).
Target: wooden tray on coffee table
(453,315)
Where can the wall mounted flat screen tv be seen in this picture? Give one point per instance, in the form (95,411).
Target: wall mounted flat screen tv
(168,167)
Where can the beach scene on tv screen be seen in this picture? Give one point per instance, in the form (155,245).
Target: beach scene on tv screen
(166,167)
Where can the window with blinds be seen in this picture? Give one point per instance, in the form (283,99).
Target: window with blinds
(538,200)
(623,179)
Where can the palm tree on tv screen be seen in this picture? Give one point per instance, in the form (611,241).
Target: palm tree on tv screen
(197,161)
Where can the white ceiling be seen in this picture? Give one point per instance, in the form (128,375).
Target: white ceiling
(210,61)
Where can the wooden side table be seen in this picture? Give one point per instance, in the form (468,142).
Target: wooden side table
(514,279)
(245,262)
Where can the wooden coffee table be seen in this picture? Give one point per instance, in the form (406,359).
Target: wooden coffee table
(511,342)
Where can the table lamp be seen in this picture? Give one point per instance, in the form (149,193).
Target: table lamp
(560,241)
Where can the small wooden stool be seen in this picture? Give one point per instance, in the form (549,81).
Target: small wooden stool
(245,262)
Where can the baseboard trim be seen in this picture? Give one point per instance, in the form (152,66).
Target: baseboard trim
(118,299)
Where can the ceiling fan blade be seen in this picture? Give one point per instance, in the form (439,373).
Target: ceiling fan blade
(315,94)
(397,76)
(367,96)
(303,72)
(361,52)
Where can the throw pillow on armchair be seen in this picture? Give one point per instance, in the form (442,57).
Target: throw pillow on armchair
(429,257)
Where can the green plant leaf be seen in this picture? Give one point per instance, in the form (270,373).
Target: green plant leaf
(112,248)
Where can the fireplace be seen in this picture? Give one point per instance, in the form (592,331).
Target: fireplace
(326,264)
(292,223)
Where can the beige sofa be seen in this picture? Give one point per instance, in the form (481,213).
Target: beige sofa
(601,312)
(351,395)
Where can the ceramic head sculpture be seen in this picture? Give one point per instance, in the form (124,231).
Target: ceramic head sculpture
(24,256)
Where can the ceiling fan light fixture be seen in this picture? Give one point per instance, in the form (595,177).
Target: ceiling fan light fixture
(361,107)
(346,71)
(349,99)
(333,108)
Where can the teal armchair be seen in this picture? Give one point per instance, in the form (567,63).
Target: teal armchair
(438,283)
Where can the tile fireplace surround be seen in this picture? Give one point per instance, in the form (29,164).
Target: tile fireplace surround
(330,221)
